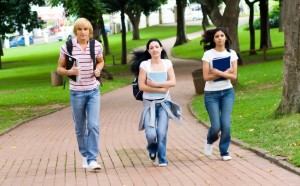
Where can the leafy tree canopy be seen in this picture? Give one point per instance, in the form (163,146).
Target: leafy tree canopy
(17,14)
(146,6)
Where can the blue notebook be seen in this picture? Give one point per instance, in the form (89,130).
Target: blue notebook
(221,64)
(157,77)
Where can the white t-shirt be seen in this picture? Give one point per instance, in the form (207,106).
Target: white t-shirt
(146,66)
(208,56)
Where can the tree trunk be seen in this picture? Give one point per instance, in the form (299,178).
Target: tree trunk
(231,21)
(1,52)
(205,21)
(147,21)
(265,40)
(251,27)
(280,16)
(181,35)
(104,36)
(124,48)
(135,21)
(160,16)
(96,31)
(290,100)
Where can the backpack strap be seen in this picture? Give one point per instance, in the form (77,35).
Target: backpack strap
(69,46)
(92,52)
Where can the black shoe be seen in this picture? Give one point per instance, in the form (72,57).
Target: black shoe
(152,156)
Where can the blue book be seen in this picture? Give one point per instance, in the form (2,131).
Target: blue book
(157,77)
(221,64)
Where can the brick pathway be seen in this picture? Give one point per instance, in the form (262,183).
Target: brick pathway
(44,151)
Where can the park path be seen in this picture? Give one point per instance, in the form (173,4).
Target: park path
(44,151)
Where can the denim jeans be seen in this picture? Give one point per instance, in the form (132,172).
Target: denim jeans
(157,136)
(86,109)
(219,106)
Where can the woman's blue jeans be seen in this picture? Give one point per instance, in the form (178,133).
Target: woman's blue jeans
(157,136)
(219,106)
(86,109)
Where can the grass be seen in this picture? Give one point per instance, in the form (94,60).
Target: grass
(195,50)
(25,80)
(258,94)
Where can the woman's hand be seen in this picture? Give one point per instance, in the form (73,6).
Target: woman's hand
(215,71)
(151,83)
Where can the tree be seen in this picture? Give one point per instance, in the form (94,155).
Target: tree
(280,16)
(229,19)
(16,15)
(119,6)
(265,39)
(290,100)
(205,21)
(181,35)
(251,27)
(134,10)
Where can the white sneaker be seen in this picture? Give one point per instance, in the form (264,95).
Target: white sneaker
(208,149)
(226,158)
(163,165)
(84,163)
(94,165)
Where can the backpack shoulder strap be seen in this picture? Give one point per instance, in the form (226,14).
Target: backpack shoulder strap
(69,45)
(92,52)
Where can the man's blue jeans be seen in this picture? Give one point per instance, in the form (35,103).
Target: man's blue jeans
(86,109)
(219,106)
(157,136)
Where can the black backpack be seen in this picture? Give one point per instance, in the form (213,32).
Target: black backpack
(137,59)
(69,45)
(137,93)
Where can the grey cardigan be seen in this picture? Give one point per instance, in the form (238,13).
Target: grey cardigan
(174,113)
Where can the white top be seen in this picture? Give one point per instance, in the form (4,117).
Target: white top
(146,66)
(208,56)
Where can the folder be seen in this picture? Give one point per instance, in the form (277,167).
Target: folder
(221,64)
(69,64)
(157,77)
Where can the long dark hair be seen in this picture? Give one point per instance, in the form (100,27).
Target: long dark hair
(140,56)
(208,39)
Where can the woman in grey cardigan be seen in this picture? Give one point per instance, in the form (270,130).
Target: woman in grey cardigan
(155,77)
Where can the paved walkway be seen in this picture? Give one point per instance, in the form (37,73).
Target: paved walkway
(44,151)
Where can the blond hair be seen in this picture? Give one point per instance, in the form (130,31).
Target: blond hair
(83,22)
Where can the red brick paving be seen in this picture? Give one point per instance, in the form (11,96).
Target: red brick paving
(44,151)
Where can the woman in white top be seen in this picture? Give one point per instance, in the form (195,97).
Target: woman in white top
(155,77)
(219,68)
